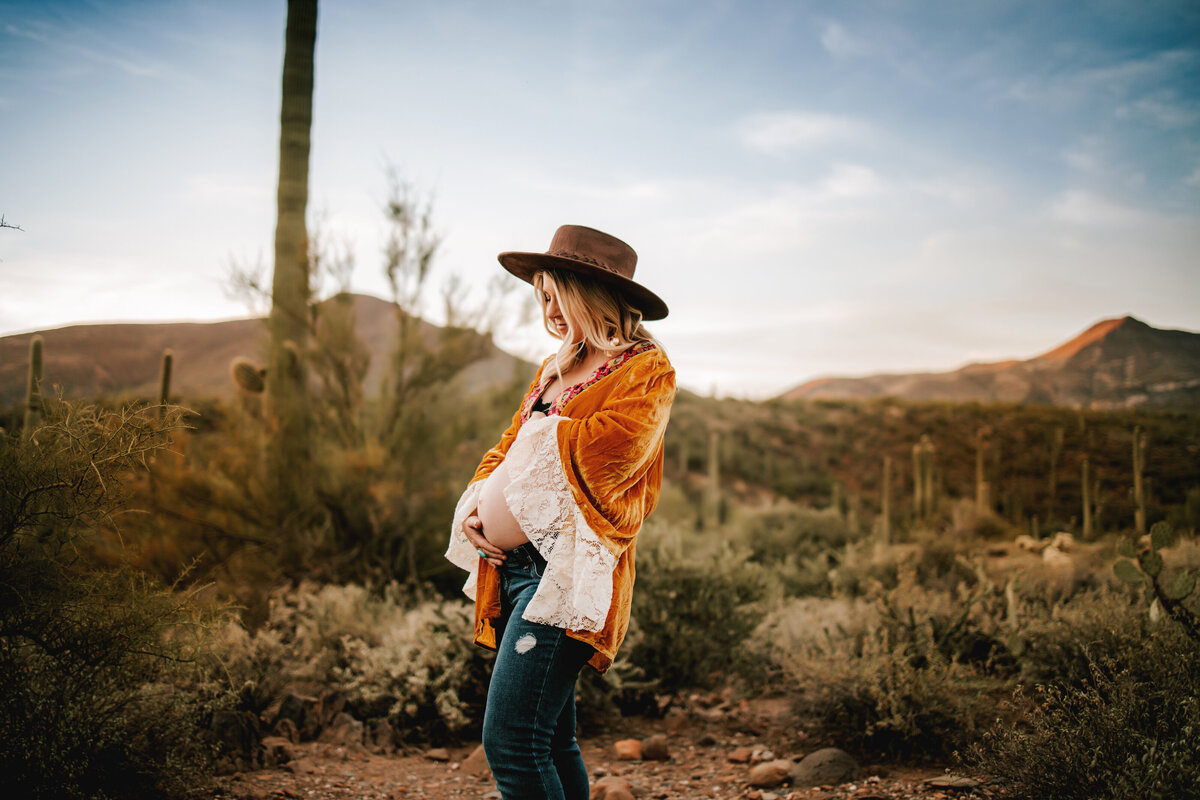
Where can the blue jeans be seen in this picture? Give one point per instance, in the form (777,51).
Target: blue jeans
(529,722)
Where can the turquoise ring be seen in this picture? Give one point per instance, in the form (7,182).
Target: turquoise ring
(481,553)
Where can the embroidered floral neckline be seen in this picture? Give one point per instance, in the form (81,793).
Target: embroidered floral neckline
(571,392)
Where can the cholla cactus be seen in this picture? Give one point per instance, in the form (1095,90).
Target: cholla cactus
(247,376)
(33,387)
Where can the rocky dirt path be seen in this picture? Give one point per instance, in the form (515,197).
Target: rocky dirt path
(708,755)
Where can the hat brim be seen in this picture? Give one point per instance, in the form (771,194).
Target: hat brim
(525,265)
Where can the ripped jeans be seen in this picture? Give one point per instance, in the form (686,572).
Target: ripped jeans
(529,722)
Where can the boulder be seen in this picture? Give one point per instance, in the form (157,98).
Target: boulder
(382,736)
(343,730)
(286,729)
(826,767)
(302,711)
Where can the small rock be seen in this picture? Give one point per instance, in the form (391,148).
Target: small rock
(612,788)
(383,736)
(707,740)
(301,766)
(655,748)
(828,766)
(628,750)
(769,796)
(277,751)
(438,754)
(286,728)
(476,763)
(770,774)
(741,755)
(944,782)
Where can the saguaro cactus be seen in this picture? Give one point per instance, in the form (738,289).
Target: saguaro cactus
(982,500)
(1056,446)
(923,478)
(164,382)
(1087,499)
(712,494)
(1139,489)
(885,502)
(33,387)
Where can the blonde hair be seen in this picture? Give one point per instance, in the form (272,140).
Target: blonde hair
(597,315)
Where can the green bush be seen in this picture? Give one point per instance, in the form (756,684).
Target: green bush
(411,663)
(97,664)
(1129,732)
(693,609)
(876,676)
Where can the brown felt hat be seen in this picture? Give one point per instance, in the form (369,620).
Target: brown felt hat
(593,253)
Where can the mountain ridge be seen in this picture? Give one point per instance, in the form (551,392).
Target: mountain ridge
(1119,362)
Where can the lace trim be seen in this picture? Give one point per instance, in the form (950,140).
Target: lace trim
(461,552)
(577,587)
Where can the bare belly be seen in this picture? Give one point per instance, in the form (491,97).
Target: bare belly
(500,527)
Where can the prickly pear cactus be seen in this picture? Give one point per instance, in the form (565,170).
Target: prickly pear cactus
(247,376)
(1146,567)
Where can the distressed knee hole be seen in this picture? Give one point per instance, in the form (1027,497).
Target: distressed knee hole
(525,643)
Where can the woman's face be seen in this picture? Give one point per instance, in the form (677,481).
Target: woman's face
(555,317)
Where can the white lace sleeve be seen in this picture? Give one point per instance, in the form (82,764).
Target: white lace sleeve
(576,590)
(461,552)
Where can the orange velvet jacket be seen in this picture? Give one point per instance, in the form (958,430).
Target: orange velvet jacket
(582,482)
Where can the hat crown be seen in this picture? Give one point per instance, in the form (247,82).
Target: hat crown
(590,246)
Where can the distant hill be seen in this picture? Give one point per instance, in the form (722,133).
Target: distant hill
(123,360)
(1116,363)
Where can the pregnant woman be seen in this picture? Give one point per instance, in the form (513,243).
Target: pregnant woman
(547,526)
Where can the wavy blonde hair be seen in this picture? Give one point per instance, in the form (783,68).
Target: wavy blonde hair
(599,317)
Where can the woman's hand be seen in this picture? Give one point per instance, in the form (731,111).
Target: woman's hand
(537,415)
(473,530)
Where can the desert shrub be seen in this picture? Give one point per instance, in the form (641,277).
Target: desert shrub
(96,662)
(1129,731)
(413,663)
(879,675)
(1060,641)
(693,609)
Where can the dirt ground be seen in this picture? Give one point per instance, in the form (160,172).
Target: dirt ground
(699,766)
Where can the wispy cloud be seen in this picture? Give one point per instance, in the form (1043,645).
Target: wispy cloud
(779,134)
(853,180)
(60,40)
(838,42)
(1077,207)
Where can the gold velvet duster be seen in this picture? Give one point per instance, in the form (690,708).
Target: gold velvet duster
(583,482)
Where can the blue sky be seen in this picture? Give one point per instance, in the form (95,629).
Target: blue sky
(815,188)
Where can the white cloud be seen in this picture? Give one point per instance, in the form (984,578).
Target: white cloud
(840,44)
(778,134)
(1078,207)
(853,180)
(1194,178)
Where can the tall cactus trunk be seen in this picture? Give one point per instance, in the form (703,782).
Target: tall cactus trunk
(287,412)
(1087,499)
(712,494)
(33,387)
(164,383)
(885,502)
(982,501)
(1139,489)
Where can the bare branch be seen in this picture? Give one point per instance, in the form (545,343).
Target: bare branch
(4,224)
